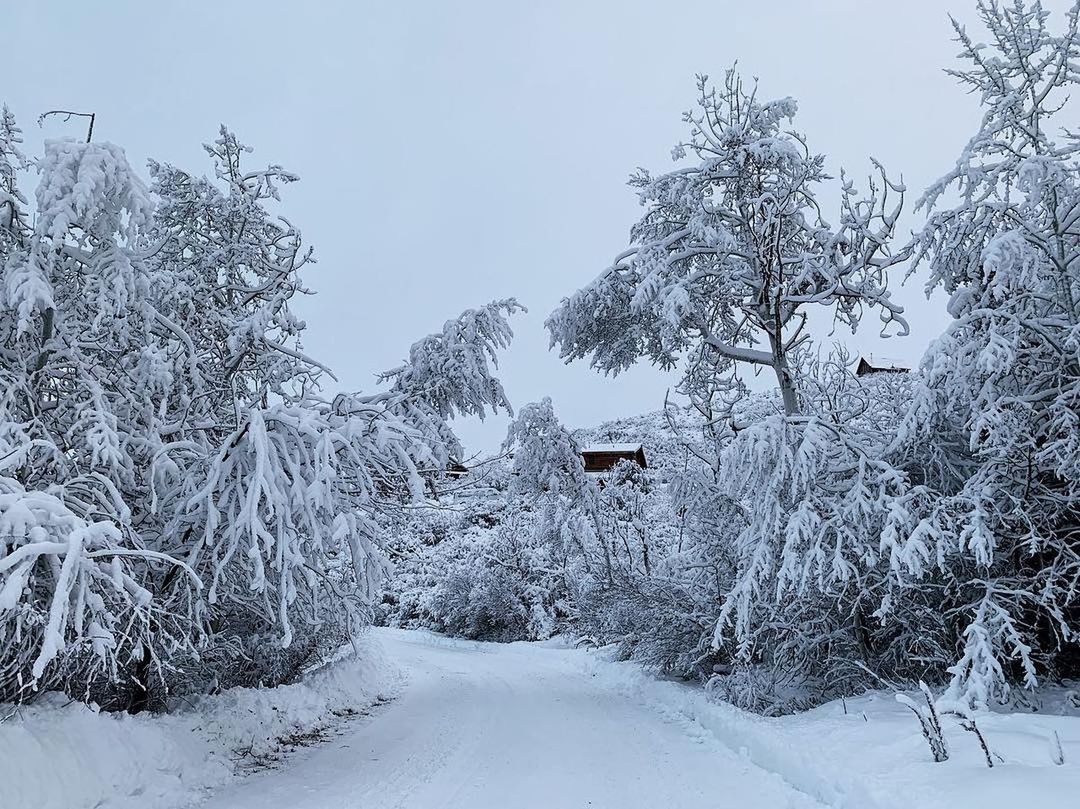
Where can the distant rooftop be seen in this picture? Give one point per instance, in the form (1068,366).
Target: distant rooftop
(603,448)
(875,363)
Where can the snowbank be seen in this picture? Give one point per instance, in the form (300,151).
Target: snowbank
(57,756)
(873,756)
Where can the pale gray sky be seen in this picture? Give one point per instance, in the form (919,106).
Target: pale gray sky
(451,153)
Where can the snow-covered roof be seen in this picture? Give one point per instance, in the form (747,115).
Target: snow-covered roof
(620,448)
(876,362)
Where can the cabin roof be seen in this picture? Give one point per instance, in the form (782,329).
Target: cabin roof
(602,449)
(871,363)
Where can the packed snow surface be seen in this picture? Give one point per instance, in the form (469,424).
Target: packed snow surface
(489,726)
(518,725)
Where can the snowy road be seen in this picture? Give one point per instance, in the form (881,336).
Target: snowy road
(482,726)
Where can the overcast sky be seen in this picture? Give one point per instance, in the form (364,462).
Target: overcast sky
(452,153)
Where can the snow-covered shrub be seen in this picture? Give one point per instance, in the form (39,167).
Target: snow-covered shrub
(478,569)
(501,588)
(765,688)
(662,603)
(657,621)
(504,566)
(929,721)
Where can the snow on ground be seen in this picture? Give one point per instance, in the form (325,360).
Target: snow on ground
(516,726)
(868,753)
(66,756)
(541,725)
(523,725)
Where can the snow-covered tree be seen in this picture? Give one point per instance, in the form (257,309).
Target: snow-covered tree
(74,321)
(452,373)
(622,500)
(728,261)
(733,251)
(996,423)
(549,469)
(176,490)
(12,161)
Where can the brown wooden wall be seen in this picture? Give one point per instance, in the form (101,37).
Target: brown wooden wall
(603,461)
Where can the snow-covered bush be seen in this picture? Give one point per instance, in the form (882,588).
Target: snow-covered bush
(659,621)
(547,550)
(474,565)
(505,565)
(503,585)
(662,603)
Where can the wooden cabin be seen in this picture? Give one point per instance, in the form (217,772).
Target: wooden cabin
(602,457)
(880,365)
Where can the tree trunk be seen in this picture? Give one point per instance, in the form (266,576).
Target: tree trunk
(784,377)
(140,700)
